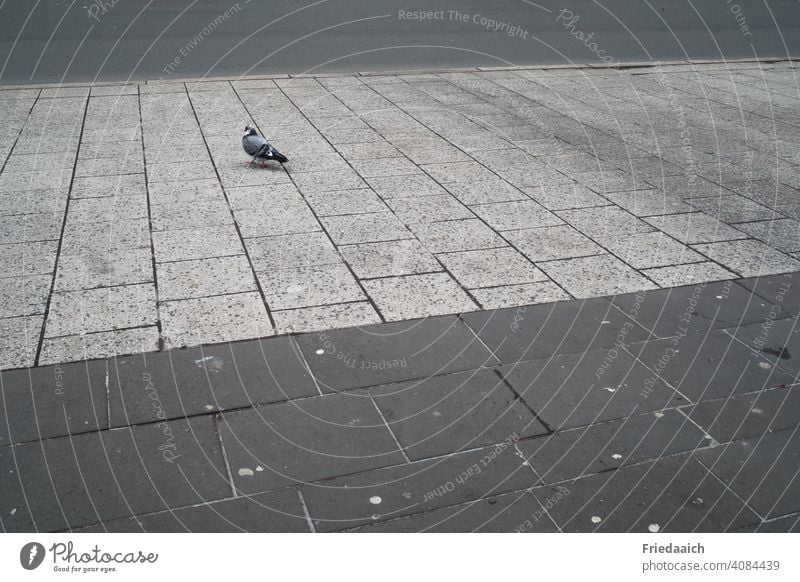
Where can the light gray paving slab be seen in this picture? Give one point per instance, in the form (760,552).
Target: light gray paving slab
(110,209)
(291,250)
(565,196)
(604,222)
(110,308)
(405,186)
(456,235)
(31,258)
(205,277)
(222,318)
(749,258)
(309,286)
(19,340)
(376,167)
(109,166)
(733,208)
(414,296)
(363,228)
(325,317)
(392,258)
(695,227)
(343,202)
(649,202)
(651,249)
(491,268)
(199,243)
(596,276)
(179,171)
(99,237)
(30,181)
(100,186)
(181,216)
(105,268)
(458,172)
(368,151)
(485,191)
(101,344)
(20,296)
(782,234)
(327,181)
(518,295)
(44,162)
(516,215)
(30,227)
(191,192)
(552,243)
(429,209)
(36,202)
(679,275)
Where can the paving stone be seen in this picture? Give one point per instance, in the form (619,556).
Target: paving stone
(675,494)
(604,222)
(541,331)
(611,181)
(180,216)
(363,228)
(677,275)
(222,318)
(111,308)
(102,237)
(199,243)
(644,203)
(565,196)
(101,186)
(37,202)
(30,228)
(458,172)
(205,277)
(788,524)
(598,275)
(776,338)
(327,181)
(418,295)
(144,469)
(291,251)
(782,234)
(275,511)
(190,192)
(516,215)
(101,344)
(386,259)
(456,235)
(429,209)
(385,167)
(749,258)
(368,151)
(780,290)
(325,317)
(551,243)
(578,452)
(91,270)
(502,514)
(25,259)
(19,341)
(514,295)
(749,415)
(733,208)
(21,296)
(408,489)
(443,414)
(491,268)
(486,191)
(28,181)
(39,162)
(651,249)
(571,390)
(345,202)
(268,447)
(762,471)
(309,286)
(392,352)
(179,171)
(695,309)
(110,166)
(405,187)
(205,379)
(695,228)
(110,209)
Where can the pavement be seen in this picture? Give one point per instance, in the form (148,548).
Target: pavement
(51,41)
(557,299)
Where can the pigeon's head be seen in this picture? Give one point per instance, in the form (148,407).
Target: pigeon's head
(249,130)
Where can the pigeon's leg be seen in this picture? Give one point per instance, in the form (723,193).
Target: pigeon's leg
(250,163)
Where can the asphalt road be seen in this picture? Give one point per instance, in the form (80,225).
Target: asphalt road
(111,40)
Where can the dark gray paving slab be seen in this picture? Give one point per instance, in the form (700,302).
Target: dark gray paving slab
(602,447)
(670,312)
(177,383)
(416,487)
(513,512)
(392,352)
(787,524)
(710,366)
(274,511)
(71,482)
(41,403)
(443,414)
(763,471)
(572,390)
(778,341)
(749,415)
(782,290)
(674,494)
(271,446)
(537,331)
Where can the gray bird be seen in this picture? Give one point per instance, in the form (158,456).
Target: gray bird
(260,149)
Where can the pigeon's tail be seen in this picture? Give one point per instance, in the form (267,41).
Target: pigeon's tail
(279,157)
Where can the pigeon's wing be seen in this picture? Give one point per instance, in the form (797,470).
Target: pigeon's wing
(274,154)
(253,144)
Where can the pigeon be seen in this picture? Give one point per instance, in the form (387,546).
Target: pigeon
(260,149)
